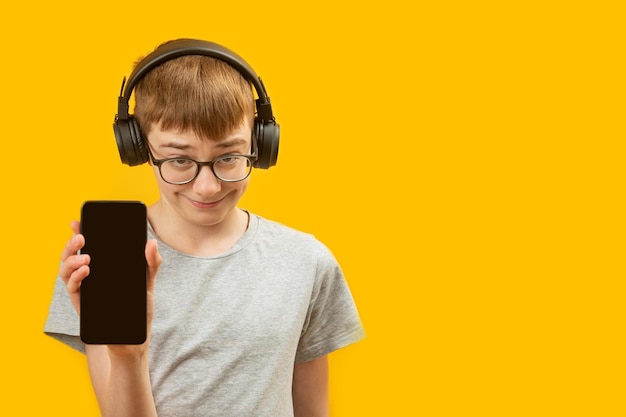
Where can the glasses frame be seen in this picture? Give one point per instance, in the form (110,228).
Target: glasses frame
(199,164)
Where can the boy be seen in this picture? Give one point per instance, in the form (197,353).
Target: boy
(242,311)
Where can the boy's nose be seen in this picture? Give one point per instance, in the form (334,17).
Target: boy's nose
(206,182)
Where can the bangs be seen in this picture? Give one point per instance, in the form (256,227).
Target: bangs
(194,93)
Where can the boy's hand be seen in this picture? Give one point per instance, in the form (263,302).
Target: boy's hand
(75,268)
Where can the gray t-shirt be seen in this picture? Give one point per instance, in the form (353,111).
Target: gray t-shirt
(228,329)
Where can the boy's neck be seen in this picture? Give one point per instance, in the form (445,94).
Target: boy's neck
(194,239)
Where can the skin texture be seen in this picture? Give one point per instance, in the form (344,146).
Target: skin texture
(200,218)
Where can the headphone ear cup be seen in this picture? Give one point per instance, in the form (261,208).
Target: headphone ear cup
(140,144)
(123,139)
(130,142)
(267,136)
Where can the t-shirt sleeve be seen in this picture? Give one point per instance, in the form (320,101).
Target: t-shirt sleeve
(332,321)
(63,323)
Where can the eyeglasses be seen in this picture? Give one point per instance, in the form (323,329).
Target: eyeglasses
(181,170)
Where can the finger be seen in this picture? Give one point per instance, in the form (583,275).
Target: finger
(73,246)
(73,286)
(71,264)
(153,258)
(76,278)
(75,225)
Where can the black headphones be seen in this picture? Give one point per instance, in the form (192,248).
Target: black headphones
(131,142)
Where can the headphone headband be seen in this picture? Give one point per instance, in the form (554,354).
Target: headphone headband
(182,47)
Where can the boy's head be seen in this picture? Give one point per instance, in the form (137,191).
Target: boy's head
(189,85)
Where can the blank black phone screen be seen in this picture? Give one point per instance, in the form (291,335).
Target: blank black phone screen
(113,298)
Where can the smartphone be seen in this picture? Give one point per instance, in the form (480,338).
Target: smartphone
(113,297)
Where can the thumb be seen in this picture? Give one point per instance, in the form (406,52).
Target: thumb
(153,258)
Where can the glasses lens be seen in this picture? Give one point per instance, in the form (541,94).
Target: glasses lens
(232,168)
(178,171)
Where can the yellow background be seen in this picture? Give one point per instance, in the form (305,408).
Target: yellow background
(463,160)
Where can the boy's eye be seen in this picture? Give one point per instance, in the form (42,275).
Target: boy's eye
(228,160)
(181,163)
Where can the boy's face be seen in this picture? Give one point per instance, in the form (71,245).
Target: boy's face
(205,201)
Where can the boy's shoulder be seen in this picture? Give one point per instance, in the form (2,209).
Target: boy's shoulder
(283,234)
(286,242)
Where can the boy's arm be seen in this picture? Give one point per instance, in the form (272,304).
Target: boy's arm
(119,374)
(121,381)
(310,388)
(99,370)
